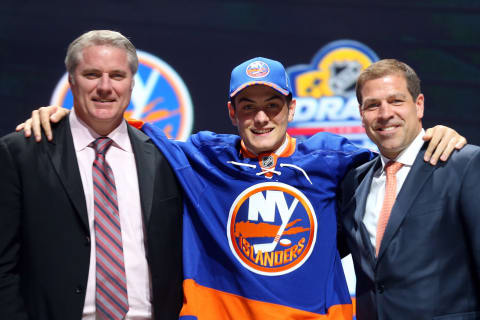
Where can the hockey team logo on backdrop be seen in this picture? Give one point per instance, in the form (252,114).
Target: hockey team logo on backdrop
(272,228)
(325,91)
(159,97)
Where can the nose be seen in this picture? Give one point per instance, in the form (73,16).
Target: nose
(385,111)
(104,85)
(261,118)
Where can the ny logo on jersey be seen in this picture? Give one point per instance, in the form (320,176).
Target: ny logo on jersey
(271,228)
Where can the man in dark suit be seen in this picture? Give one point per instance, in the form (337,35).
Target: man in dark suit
(90,222)
(411,227)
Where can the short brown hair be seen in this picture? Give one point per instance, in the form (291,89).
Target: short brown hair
(387,67)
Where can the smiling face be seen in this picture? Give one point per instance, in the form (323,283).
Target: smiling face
(261,115)
(102,84)
(392,119)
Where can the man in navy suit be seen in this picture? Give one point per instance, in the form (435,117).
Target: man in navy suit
(410,226)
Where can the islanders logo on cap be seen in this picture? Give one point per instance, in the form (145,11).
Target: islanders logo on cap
(325,91)
(159,97)
(257,69)
(272,228)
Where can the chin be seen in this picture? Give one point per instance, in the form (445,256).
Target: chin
(106,114)
(390,150)
(259,149)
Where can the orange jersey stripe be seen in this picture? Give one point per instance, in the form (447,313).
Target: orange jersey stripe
(210,304)
(354,304)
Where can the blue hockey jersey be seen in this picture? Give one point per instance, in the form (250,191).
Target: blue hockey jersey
(259,234)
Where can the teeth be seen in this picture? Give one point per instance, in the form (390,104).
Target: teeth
(262,131)
(387,129)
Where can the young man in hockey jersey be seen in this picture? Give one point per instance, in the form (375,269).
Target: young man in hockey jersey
(259,221)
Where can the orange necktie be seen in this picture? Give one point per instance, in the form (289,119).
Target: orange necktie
(391,169)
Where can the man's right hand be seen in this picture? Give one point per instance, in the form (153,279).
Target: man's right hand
(41,118)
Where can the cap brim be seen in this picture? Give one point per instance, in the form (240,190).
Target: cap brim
(265,83)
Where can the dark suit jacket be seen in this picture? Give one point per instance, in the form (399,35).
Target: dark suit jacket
(429,261)
(44,233)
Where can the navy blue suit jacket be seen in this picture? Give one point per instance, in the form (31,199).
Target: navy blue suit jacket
(428,266)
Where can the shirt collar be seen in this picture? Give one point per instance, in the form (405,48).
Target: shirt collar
(83,135)
(407,156)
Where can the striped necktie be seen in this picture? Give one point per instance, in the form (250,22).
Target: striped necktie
(111,284)
(391,169)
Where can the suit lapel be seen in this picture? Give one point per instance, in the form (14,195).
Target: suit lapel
(418,175)
(361,194)
(145,161)
(63,157)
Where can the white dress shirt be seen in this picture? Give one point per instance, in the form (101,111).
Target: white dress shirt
(377,189)
(121,159)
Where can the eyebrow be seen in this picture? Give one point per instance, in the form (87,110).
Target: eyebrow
(370,100)
(118,71)
(98,70)
(90,70)
(395,95)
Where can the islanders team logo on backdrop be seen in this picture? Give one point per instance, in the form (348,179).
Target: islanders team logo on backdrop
(272,228)
(325,91)
(159,97)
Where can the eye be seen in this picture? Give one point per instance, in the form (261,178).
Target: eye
(117,76)
(248,107)
(396,101)
(91,75)
(273,105)
(370,105)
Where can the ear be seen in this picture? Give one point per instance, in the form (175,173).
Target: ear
(291,109)
(133,84)
(360,110)
(231,113)
(419,103)
(71,82)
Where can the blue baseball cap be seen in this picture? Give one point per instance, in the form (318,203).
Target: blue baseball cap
(260,71)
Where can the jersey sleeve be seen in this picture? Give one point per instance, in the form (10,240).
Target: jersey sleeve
(338,152)
(177,153)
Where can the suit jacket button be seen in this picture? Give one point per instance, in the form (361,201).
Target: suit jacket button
(380,288)
(78,289)
(87,243)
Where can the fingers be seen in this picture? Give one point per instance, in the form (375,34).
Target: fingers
(462,141)
(27,128)
(35,125)
(448,149)
(431,135)
(41,119)
(440,146)
(443,141)
(453,141)
(45,113)
(20,127)
(59,114)
(428,134)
